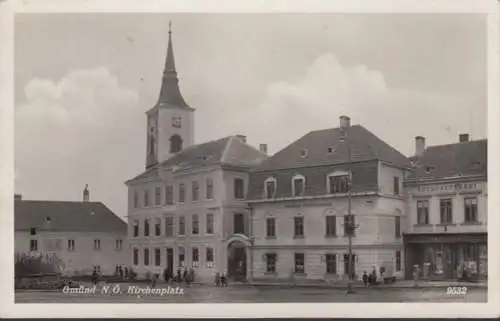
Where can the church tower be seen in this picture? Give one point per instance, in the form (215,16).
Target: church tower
(170,123)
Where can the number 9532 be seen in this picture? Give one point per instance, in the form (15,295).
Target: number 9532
(456,290)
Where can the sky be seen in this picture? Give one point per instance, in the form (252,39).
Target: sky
(84,81)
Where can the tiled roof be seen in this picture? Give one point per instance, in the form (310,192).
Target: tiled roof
(323,147)
(452,160)
(66,216)
(229,151)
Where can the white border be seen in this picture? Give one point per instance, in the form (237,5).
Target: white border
(9,8)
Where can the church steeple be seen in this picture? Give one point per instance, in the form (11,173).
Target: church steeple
(170,95)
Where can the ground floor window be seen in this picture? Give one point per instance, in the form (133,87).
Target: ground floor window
(271,262)
(135,258)
(299,263)
(331,263)
(157,257)
(398,261)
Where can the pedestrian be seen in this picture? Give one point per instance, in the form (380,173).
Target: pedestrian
(184,276)
(165,275)
(374,276)
(126,273)
(94,276)
(223,280)
(178,276)
(217,279)
(365,278)
(153,280)
(120,270)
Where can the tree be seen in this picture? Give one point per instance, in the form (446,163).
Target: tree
(26,264)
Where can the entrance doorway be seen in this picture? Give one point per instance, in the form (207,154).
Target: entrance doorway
(237,261)
(170,259)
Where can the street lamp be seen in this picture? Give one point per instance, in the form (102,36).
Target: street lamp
(344,127)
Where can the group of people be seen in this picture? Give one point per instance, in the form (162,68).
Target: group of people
(186,275)
(124,272)
(370,279)
(220,280)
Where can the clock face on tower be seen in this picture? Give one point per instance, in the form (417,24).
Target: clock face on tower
(176,122)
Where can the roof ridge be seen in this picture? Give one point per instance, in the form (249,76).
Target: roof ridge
(459,143)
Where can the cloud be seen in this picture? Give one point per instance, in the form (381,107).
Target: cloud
(74,131)
(329,89)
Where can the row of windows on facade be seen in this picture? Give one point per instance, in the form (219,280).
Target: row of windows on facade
(446,211)
(71,245)
(168,199)
(238,225)
(195,256)
(336,183)
(330,226)
(330,260)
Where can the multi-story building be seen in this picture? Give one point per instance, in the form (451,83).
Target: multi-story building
(447,209)
(81,235)
(299,202)
(188,205)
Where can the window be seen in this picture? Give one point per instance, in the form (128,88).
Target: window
(182,225)
(298,185)
(181,256)
(97,244)
(196,254)
(136,228)
(270,187)
(195,224)
(136,199)
(397,226)
(349,225)
(146,257)
(423,212)
(398,260)
(239,188)
(298,226)
(182,194)
(238,223)
(471,210)
(195,190)
(71,245)
(331,263)
(395,183)
(210,254)
(146,198)
(157,195)
(33,245)
(210,223)
(118,244)
(157,257)
(271,227)
(169,226)
(299,263)
(135,256)
(146,227)
(169,195)
(338,183)
(158,227)
(271,262)
(210,188)
(331,225)
(175,143)
(32,231)
(446,211)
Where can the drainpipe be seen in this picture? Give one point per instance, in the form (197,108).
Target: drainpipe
(250,230)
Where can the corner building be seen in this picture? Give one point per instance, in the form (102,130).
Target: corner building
(299,202)
(187,207)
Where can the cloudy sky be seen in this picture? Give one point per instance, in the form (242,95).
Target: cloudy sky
(84,81)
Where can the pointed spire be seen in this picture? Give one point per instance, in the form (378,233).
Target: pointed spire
(170,95)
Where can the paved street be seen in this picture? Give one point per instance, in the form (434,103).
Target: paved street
(261,294)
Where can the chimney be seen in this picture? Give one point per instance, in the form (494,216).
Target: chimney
(242,138)
(419,146)
(345,122)
(263,148)
(18,197)
(86,193)
(463,138)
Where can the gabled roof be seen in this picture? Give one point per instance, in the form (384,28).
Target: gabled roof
(229,151)
(452,160)
(66,216)
(323,147)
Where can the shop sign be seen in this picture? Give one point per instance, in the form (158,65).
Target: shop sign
(458,187)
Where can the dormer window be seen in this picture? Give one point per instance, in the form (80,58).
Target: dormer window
(303,153)
(338,182)
(298,185)
(270,187)
(429,169)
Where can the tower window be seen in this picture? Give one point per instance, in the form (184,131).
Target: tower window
(175,143)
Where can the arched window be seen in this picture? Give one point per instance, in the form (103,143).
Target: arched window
(270,187)
(298,185)
(175,143)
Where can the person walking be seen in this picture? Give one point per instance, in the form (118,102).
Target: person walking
(365,279)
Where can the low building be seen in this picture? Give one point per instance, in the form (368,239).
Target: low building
(299,202)
(447,208)
(81,235)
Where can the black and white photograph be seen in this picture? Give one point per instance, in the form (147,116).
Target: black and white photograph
(167,156)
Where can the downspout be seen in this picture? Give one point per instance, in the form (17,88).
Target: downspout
(250,266)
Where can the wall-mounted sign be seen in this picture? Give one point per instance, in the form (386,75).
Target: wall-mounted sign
(449,187)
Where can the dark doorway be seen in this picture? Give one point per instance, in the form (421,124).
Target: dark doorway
(237,261)
(239,223)
(170,259)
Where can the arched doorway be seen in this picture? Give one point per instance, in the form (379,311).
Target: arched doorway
(237,261)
